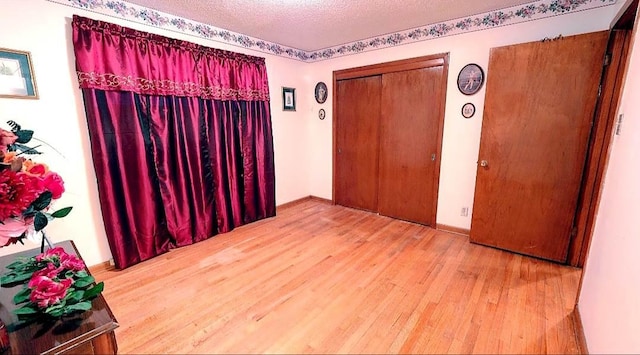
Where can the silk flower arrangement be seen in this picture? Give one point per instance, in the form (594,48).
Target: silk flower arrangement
(55,283)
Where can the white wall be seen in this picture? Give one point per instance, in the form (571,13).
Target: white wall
(609,301)
(461,137)
(44,29)
(303,143)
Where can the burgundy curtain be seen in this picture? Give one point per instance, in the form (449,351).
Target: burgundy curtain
(180,136)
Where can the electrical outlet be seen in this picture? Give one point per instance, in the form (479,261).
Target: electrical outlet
(464,212)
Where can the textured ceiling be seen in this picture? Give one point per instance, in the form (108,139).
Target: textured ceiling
(316,24)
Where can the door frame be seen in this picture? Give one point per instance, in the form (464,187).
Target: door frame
(430,61)
(613,76)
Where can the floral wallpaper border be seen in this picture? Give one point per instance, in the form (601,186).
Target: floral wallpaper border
(504,17)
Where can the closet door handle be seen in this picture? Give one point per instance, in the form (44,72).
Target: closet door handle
(433,157)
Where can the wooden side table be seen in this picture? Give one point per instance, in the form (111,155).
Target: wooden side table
(90,332)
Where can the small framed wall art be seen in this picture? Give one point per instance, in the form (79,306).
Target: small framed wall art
(321,92)
(288,99)
(470,79)
(16,75)
(468,110)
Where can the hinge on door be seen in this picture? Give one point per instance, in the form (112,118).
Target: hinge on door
(619,124)
(574,231)
(599,90)
(607,59)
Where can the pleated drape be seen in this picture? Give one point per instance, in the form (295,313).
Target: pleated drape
(181,138)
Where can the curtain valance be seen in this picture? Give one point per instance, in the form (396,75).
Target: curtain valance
(116,58)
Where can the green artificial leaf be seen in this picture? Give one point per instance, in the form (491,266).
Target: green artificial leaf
(22,296)
(24,135)
(40,221)
(75,296)
(26,310)
(80,274)
(15,277)
(94,291)
(63,212)
(54,307)
(29,212)
(15,264)
(57,312)
(84,282)
(23,149)
(6,279)
(80,306)
(42,201)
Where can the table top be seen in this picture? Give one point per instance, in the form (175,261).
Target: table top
(61,335)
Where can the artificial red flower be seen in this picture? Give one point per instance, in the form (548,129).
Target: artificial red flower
(22,182)
(17,192)
(54,183)
(46,292)
(36,169)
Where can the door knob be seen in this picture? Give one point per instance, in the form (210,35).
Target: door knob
(484,163)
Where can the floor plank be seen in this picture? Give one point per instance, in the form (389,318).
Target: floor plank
(319,278)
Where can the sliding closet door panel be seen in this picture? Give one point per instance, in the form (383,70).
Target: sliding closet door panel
(409,137)
(357,134)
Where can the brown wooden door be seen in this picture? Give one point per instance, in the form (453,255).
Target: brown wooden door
(357,132)
(412,109)
(538,112)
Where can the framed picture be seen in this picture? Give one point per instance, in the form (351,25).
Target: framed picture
(321,92)
(16,75)
(322,114)
(470,79)
(468,110)
(288,99)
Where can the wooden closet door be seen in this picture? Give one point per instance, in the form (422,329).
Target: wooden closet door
(412,109)
(357,133)
(538,114)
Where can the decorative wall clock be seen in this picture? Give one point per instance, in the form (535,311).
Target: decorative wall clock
(470,79)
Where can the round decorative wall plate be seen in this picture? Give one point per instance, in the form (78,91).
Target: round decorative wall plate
(321,114)
(470,79)
(321,92)
(468,110)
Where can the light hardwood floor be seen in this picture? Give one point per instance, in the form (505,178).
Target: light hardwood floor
(319,278)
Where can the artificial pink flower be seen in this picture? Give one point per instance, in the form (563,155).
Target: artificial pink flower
(46,292)
(54,183)
(71,262)
(8,241)
(50,271)
(11,229)
(50,254)
(17,192)
(7,138)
